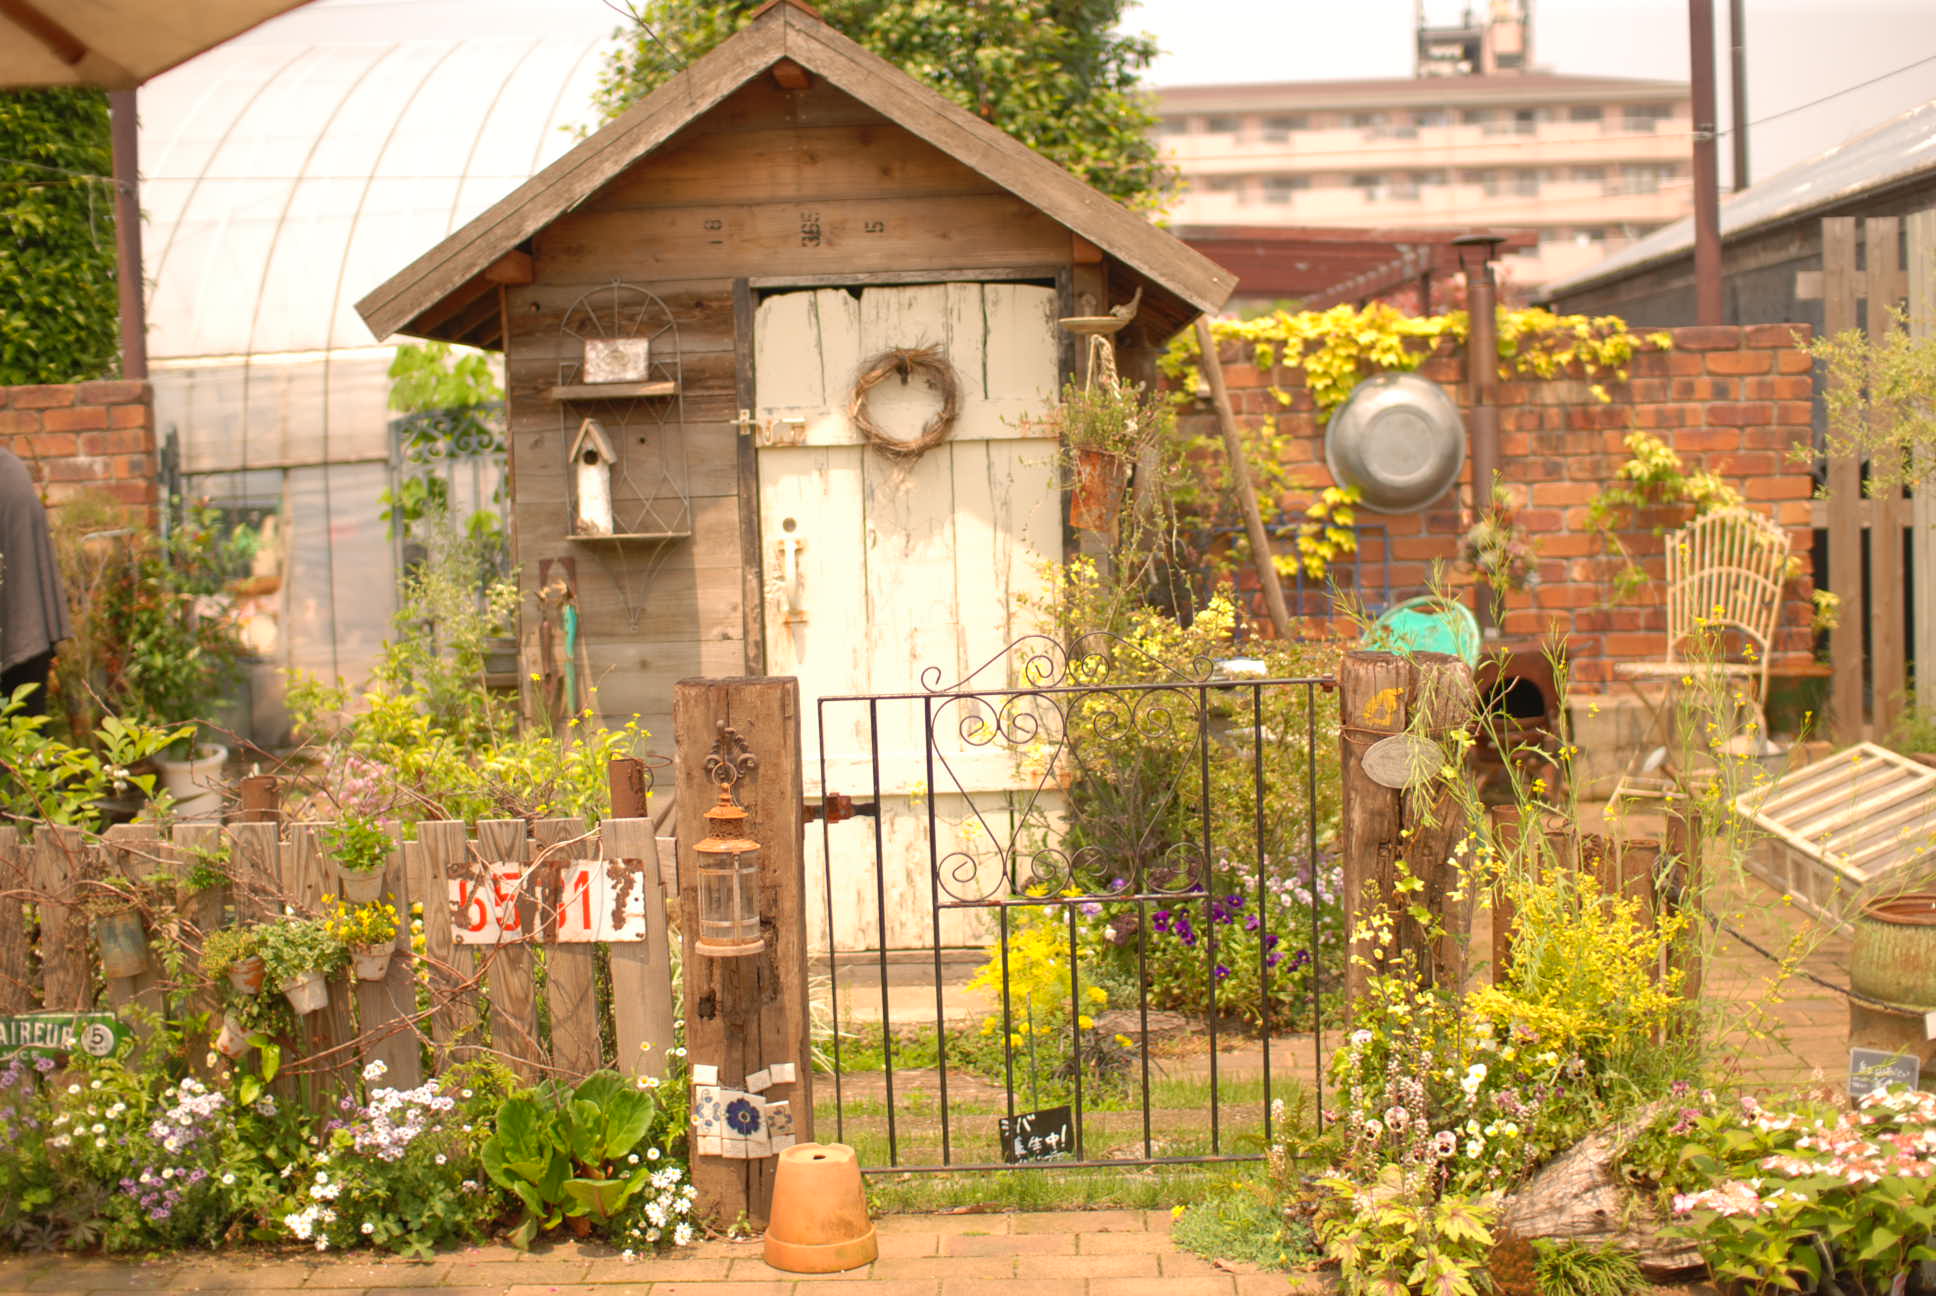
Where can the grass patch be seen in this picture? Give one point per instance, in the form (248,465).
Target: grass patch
(1568,1268)
(1131,1188)
(1237,1221)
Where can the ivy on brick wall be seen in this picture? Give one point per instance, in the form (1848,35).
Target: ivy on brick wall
(58,314)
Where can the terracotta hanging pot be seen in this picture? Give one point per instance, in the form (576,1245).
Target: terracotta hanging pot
(373,961)
(233,1041)
(123,942)
(245,974)
(818,1222)
(1096,497)
(359,886)
(308,993)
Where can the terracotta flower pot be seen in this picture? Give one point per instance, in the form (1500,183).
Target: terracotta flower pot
(373,961)
(245,974)
(308,993)
(359,886)
(1096,496)
(818,1222)
(123,942)
(233,1041)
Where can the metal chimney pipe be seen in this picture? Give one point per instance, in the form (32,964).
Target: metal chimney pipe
(1707,183)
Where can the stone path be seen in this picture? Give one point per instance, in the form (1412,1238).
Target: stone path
(1083,1253)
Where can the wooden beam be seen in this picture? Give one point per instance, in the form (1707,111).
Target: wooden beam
(1886,285)
(1840,286)
(1083,252)
(751,546)
(514,267)
(1922,323)
(789,75)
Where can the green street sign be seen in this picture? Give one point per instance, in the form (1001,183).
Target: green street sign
(96,1034)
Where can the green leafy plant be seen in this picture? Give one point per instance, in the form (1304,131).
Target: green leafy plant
(358,842)
(1239,1221)
(570,1153)
(1653,478)
(57,259)
(451,405)
(1388,1239)
(1564,1267)
(1876,393)
(1113,420)
(47,779)
(1061,76)
(224,947)
(296,947)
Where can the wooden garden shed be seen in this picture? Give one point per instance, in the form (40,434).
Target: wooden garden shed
(704,279)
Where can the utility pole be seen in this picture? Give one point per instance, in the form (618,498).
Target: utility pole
(127,233)
(1738,87)
(1707,184)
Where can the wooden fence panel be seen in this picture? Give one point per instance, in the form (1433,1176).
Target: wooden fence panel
(63,928)
(383,1008)
(255,864)
(328,1031)
(444,858)
(202,911)
(642,1008)
(132,852)
(1885,285)
(514,1005)
(1921,289)
(18,992)
(573,967)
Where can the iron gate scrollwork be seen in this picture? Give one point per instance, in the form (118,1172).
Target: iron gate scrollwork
(1147,807)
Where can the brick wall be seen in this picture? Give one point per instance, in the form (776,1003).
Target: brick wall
(1731,399)
(77,437)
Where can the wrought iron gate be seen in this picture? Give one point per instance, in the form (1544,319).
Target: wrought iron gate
(1159,824)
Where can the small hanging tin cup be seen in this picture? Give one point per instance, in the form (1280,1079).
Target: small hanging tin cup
(307,993)
(359,886)
(373,961)
(123,942)
(729,883)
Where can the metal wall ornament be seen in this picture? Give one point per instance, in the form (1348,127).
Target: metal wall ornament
(728,860)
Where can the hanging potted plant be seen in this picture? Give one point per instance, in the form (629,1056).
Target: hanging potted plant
(232,1041)
(231,952)
(360,847)
(117,925)
(1103,429)
(297,955)
(1497,550)
(370,933)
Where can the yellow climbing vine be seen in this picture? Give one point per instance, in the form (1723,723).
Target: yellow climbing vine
(1338,348)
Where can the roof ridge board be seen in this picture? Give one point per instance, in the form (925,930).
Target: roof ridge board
(818,47)
(632,139)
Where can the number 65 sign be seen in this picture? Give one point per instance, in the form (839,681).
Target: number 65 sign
(485,912)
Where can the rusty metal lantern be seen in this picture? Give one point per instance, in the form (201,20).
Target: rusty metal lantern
(729,868)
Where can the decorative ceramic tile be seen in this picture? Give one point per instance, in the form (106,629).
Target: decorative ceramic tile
(779,1118)
(704,1074)
(783,1073)
(758,1081)
(707,1109)
(743,1125)
(711,1145)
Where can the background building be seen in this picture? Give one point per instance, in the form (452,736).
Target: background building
(1476,138)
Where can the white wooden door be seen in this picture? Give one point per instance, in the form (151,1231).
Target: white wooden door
(878,569)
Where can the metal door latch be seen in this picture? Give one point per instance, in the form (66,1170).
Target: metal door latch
(839,808)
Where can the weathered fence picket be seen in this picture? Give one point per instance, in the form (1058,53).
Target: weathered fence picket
(505,882)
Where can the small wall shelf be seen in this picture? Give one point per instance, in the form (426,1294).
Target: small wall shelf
(639,537)
(612,391)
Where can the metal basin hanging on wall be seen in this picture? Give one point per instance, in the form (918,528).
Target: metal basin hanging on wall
(1398,439)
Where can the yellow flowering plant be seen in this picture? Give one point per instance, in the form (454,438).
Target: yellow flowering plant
(363,924)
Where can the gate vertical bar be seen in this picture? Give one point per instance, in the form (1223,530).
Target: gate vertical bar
(1311,859)
(1208,882)
(880,929)
(934,911)
(1075,1015)
(1263,892)
(833,945)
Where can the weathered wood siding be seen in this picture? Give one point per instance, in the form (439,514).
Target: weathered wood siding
(771,184)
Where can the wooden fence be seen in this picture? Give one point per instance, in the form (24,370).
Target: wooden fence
(543,944)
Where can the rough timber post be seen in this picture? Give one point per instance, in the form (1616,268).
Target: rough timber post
(1378,695)
(746,1014)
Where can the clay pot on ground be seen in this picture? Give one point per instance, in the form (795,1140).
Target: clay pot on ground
(818,1222)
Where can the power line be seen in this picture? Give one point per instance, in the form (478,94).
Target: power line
(1812,103)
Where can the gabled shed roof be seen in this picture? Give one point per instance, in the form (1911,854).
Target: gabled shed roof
(441,283)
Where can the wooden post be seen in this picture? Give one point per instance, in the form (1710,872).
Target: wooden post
(1840,288)
(746,1014)
(1378,692)
(643,1012)
(261,799)
(1233,445)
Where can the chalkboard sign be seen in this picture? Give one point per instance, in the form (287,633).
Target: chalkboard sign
(1872,1069)
(1045,1135)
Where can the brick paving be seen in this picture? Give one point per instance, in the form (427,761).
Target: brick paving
(1085,1253)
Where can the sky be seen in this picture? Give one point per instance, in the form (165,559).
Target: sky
(1798,51)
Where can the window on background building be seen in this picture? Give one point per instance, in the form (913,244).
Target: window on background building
(1645,117)
(1280,189)
(1589,175)
(1526,120)
(1221,125)
(1175,126)
(1426,118)
(1556,236)
(1433,179)
(1366,121)
(1279,129)
(1477,117)
(1491,181)
(1644,177)
(1370,187)
(1584,113)
(1525,182)
(1224,184)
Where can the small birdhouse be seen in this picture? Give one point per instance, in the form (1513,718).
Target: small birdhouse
(591,465)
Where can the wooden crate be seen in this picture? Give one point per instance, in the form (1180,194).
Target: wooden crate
(1855,825)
